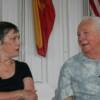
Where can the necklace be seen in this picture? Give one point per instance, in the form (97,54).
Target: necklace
(7,61)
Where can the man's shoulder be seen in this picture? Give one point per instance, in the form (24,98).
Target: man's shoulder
(72,62)
(74,59)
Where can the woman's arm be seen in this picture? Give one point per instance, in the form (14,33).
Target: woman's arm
(28,93)
(30,89)
(14,95)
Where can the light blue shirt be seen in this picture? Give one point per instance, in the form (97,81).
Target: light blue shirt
(79,77)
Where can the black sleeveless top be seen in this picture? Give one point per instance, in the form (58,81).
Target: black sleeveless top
(16,81)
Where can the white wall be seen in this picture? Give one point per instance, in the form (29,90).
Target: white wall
(62,42)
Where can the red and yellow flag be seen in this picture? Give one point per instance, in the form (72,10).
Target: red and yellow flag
(44,16)
(94,7)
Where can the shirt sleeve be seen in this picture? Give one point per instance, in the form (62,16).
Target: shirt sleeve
(64,86)
(25,71)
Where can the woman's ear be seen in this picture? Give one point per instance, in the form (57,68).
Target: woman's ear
(0,42)
(0,46)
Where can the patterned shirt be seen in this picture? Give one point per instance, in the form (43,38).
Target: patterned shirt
(80,78)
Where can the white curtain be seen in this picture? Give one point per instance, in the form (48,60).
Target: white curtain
(62,43)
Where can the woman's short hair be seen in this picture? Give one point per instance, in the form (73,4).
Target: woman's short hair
(5,27)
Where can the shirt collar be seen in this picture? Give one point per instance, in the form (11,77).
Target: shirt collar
(86,59)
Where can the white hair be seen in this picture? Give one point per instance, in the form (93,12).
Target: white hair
(94,19)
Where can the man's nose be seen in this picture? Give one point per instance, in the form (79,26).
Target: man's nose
(81,36)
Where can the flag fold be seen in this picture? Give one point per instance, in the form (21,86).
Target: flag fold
(44,16)
(94,7)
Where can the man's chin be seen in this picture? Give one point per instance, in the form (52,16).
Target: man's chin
(86,50)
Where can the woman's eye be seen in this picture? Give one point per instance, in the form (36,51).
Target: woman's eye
(14,38)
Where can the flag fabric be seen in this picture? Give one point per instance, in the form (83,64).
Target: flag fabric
(94,7)
(44,16)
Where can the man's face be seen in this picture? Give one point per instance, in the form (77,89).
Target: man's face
(88,37)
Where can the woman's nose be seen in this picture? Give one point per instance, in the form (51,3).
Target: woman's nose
(17,42)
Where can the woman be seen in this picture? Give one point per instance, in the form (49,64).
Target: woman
(16,81)
(80,75)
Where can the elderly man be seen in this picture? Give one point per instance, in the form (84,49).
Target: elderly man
(80,75)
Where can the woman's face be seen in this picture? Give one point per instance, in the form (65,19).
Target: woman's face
(11,44)
(88,37)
